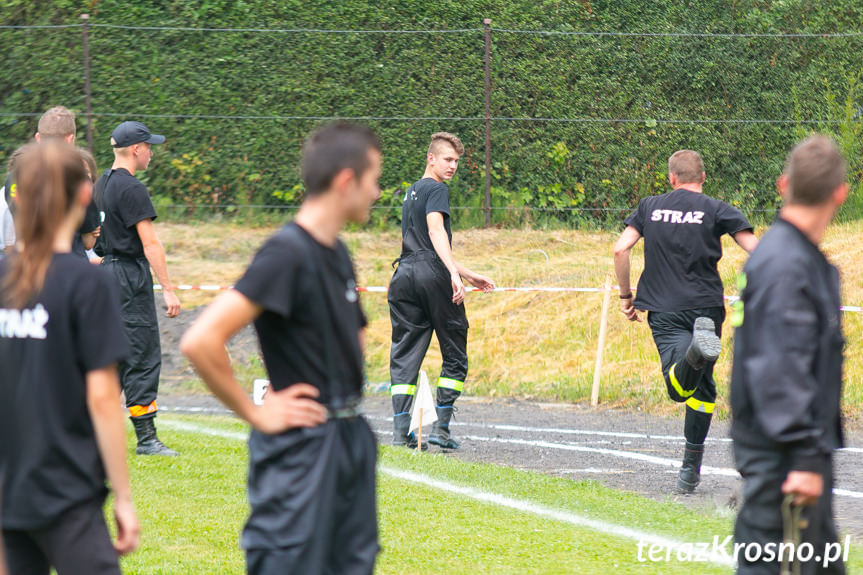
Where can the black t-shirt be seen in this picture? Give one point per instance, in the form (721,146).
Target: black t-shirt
(125,202)
(49,450)
(422,198)
(90,223)
(682,246)
(291,328)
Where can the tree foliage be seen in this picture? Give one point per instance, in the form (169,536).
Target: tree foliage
(614,107)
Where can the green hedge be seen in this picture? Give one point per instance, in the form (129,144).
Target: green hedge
(559,166)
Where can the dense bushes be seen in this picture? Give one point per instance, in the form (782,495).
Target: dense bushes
(576,171)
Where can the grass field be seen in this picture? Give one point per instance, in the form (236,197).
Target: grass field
(529,345)
(192,509)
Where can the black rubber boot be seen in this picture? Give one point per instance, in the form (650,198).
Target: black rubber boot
(440,434)
(148,441)
(401,423)
(690,472)
(705,346)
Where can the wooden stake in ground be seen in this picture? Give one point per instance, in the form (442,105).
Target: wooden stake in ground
(600,346)
(420,433)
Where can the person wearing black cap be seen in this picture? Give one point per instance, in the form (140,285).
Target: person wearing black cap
(130,247)
(311,453)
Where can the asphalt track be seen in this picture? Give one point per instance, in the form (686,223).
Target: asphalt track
(624,450)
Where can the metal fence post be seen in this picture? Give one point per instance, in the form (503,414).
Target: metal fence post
(85,18)
(487,28)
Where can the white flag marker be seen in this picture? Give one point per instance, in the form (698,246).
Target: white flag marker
(423,411)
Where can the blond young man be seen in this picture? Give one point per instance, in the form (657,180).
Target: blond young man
(58,123)
(426,296)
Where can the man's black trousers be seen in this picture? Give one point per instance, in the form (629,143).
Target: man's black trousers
(312,493)
(760,520)
(139,374)
(420,299)
(77,543)
(672,333)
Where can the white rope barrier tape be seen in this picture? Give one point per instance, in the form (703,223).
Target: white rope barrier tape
(538,289)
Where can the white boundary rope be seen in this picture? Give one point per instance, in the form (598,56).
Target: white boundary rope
(538,289)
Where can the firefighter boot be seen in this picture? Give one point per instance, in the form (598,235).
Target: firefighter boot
(148,441)
(690,471)
(440,434)
(705,346)
(401,436)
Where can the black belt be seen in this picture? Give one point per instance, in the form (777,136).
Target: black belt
(122,258)
(348,409)
(420,256)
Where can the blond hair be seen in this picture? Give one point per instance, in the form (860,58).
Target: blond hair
(439,138)
(58,122)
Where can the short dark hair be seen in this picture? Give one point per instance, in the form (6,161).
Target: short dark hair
(815,168)
(332,149)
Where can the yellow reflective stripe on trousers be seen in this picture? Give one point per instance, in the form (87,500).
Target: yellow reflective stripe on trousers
(698,405)
(139,410)
(676,384)
(403,389)
(448,383)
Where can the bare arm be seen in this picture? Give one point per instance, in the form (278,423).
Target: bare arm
(622,249)
(482,282)
(440,241)
(103,402)
(155,254)
(204,344)
(89,240)
(746,240)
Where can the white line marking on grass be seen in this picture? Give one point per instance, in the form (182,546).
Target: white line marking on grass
(558,515)
(565,431)
(185,426)
(180,409)
(705,470)
(634,455)
(847,493)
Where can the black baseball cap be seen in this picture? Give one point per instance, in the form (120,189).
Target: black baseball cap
(131,133)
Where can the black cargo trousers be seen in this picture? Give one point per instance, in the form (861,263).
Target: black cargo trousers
(139,373)
(672,333)
(420,300)
(761,525)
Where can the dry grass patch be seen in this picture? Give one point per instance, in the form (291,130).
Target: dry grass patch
(530,345)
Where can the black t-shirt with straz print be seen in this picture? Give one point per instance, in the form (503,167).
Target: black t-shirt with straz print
(424,197)
(290,329)
(682,233)
(124,201)
(50,457)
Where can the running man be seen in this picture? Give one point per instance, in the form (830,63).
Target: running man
(786,383)
(682,292)
(312,456)
(426,295)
